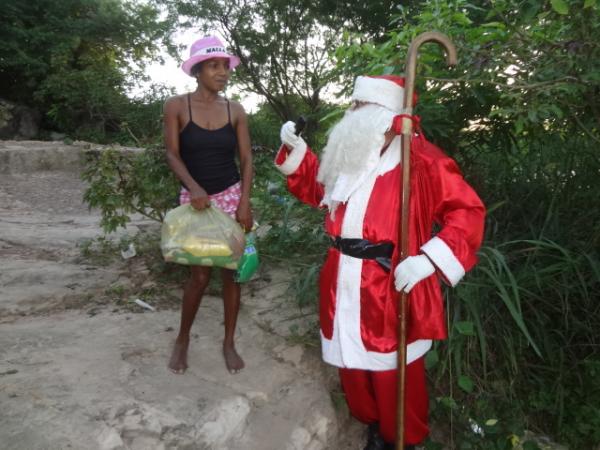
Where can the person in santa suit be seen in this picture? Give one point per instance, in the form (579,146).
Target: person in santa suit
(358,181)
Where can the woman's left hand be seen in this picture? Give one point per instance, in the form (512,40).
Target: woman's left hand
(244,216)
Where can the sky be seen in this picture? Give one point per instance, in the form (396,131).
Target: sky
(170,73)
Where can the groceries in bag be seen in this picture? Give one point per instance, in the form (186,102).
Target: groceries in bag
(207,237)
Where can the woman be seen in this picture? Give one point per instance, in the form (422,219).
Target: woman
(203,130)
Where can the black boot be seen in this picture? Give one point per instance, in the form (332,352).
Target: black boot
(393,447)
(374,439)
(376,442)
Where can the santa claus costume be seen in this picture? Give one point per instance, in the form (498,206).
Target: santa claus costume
(360,186)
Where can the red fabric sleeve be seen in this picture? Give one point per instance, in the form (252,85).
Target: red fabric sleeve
(459,211)
(302,182)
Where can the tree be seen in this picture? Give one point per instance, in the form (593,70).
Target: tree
(282,46)
(369,21)
(286,47)
(75,59)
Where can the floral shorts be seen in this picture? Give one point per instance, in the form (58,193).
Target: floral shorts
(227,200)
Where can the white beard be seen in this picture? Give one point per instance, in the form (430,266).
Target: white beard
(352,151)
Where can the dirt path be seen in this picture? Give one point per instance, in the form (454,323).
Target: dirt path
(83,368)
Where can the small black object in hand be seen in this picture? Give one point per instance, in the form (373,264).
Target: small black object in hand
(300,124)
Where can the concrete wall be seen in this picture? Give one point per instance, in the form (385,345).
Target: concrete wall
(32,156)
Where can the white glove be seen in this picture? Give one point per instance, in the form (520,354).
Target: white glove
(412,270)
(288,135)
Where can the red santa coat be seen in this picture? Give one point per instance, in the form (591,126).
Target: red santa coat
(358,303)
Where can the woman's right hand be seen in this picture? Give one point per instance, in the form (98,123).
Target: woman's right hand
(199,199)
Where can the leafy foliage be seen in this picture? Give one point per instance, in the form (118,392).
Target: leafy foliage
(282,47)
(75,60)
(369,21)
(125,182)
(296,237)
(285,47)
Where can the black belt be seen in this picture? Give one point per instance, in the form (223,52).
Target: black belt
(364,249)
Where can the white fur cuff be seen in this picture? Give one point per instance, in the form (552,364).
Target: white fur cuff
(443,257)
(293,160)
(365,360)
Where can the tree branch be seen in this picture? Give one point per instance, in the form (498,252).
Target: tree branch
(515,86)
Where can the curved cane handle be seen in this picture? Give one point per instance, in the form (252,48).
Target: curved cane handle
(411,61)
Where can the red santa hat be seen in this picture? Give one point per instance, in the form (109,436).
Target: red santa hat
(384,90)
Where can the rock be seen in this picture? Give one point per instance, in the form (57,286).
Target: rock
(300,439)
(259,398)
(54,136)
(145,443)
(109,439)
(292,354)
(321,427)
(148,284)
(543,442)
(319,431)
(21,156)
(29,124)
(225,422)
(18,121)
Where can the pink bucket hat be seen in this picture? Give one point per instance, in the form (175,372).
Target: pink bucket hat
(206,48)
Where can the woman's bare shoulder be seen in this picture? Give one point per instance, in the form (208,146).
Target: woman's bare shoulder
(237,109)
(236,105)
(175,103)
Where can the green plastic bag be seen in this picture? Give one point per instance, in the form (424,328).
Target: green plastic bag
(249,260)
(202,238)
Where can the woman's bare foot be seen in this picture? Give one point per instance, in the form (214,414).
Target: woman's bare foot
(233,361)
(178,362)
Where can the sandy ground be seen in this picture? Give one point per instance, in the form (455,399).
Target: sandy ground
(83,368)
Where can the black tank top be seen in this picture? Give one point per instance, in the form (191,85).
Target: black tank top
(209,155)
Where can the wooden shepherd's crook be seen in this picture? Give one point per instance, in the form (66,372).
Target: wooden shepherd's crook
(407,125)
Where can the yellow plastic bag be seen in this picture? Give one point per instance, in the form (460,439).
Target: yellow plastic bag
(201,238)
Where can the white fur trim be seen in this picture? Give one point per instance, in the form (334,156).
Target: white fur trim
(380,91)
(443,257)
(293,160)
(332,354)
(391,158)
(352,226)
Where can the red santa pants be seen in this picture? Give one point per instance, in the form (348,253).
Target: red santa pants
(371,397)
